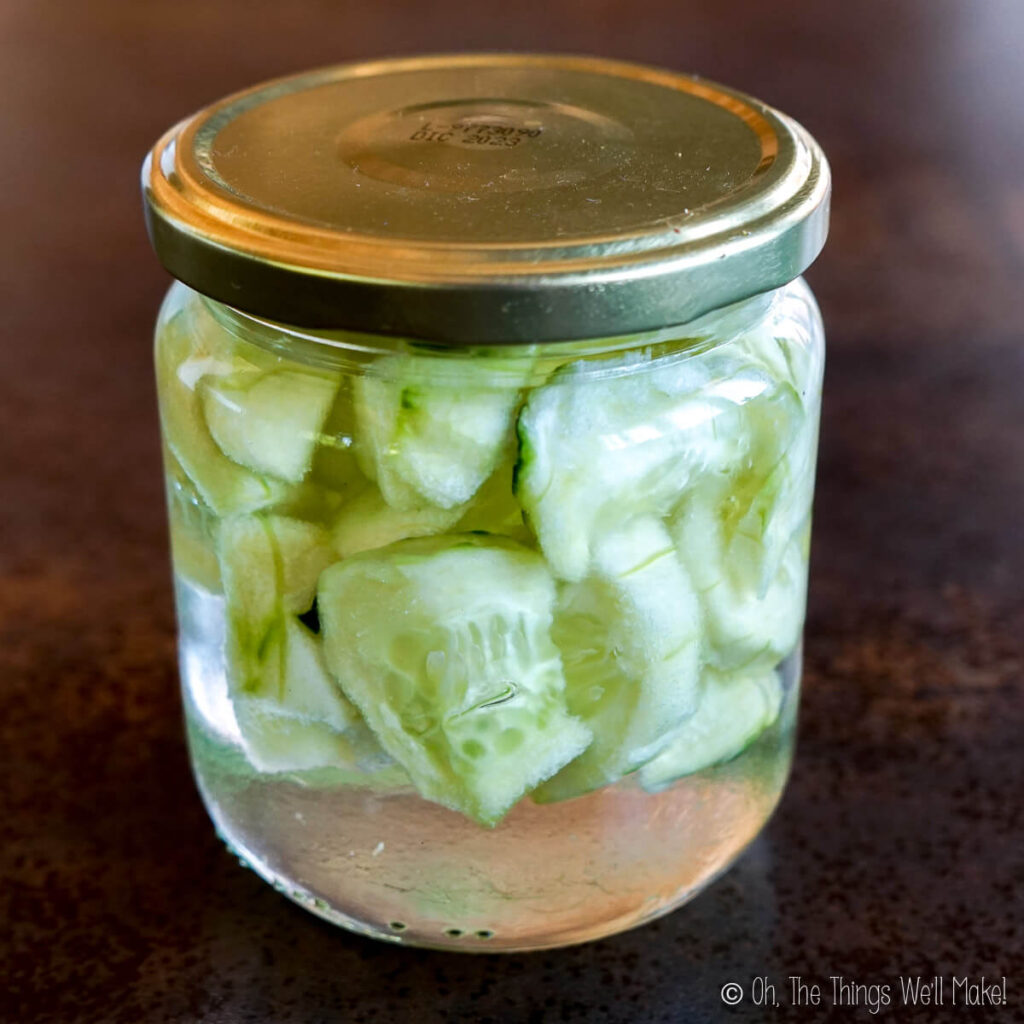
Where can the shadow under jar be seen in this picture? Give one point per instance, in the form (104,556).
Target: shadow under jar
(489,392)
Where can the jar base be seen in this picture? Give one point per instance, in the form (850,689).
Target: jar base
(394,867)
(482,941)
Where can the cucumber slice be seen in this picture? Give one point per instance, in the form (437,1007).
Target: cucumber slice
(192,523)
(296,718)
(444,645)
(278,742)
(305,688)
(772,494)
(429,440)
(368,521)
(739,535)
(275,741)
(630,638)
(763,502)
(734,710)
(745,626)
(303,552)
(291,713)
(269,566)
(783,504)
(182,360)
(269,423)
(595,453)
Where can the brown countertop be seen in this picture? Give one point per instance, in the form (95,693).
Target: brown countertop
(899,846)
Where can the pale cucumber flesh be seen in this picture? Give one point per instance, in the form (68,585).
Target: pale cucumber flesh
(367,521)
(269,422)
(444,645)
(630,641)
(734,710)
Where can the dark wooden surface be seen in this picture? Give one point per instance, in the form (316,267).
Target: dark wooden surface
(899,847)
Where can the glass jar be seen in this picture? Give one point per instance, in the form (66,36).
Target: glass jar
(490,539)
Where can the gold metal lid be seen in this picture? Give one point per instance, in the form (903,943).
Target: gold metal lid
(487,198)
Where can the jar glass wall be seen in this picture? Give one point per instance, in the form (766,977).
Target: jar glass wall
(490,647)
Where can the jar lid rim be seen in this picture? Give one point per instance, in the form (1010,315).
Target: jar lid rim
(487,198)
